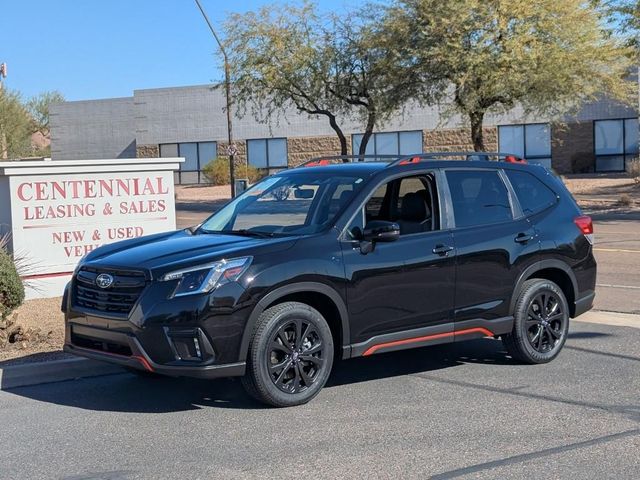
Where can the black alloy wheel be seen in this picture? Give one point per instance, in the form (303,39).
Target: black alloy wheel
(541,322)
(290,355)
(545,321)
(295,356)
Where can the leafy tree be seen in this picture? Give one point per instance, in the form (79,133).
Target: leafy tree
(289,56)
(625,17)
(547,56)
(38,108)
(15,126)
(19,120)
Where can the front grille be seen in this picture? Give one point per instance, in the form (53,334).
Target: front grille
(117,300)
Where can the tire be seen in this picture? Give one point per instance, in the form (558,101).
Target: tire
(541,323)
(290,355)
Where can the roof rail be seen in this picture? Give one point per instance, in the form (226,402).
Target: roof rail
(468,156)
(394,160)
(331,159)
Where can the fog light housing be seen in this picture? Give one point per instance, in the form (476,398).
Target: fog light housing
(190,345)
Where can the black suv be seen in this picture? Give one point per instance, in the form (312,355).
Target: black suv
(339,259)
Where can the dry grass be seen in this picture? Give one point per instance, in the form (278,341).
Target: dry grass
(200,193)
(633,169)
(36,326)
(625,200)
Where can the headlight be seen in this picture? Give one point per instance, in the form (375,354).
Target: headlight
(205,278)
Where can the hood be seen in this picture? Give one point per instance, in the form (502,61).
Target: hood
(181,249)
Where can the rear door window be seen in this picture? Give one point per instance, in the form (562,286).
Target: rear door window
(479,197)
(533,195)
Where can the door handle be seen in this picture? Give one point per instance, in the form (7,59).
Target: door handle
(523,237)
(442,249)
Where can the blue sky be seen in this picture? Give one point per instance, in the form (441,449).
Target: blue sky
(90,49)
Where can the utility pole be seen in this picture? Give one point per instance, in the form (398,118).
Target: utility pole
(3,137)
(231,149)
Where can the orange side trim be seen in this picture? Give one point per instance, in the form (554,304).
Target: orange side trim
(144,362)
(374,348)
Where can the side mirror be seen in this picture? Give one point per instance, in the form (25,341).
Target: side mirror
(377,231)
(303,193)
(381,231)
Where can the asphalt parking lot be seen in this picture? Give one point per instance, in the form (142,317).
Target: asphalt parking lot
(463,411)
(617,251)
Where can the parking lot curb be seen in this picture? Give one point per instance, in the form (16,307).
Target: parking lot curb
(37,373)
(615,319)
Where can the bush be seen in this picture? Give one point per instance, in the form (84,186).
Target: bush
(11,287)
(625,200)
(633,169)
(217,172)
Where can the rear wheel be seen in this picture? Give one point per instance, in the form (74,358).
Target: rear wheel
(290,356)
(541,323)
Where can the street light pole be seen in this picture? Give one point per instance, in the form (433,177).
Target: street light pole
(227,87)
(3,136)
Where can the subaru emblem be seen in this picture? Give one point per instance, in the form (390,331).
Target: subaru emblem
(104,280)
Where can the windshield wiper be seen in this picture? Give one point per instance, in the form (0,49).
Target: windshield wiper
(243,232)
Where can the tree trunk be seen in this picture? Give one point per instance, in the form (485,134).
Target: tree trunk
(341,136)
(368,132)
(477,119)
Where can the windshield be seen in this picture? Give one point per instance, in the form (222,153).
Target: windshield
(286,205)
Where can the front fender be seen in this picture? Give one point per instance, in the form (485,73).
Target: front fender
(281,292)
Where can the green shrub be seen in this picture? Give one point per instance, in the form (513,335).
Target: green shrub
(217,172)
(11,287)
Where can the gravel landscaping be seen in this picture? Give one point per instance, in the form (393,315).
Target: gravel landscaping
(37,332)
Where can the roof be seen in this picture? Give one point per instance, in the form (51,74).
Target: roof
(359,168)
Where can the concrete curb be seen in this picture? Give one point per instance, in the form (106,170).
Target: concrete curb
(37,373)
(610,318)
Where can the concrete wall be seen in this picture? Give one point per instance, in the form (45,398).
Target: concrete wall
(129,127)
(93,129)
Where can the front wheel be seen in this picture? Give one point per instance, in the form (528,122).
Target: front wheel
(541,323)
(290,356)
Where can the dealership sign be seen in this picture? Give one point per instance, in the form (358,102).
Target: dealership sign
(59,211)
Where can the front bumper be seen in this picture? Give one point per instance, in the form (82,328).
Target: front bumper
(195,336)
(80,339)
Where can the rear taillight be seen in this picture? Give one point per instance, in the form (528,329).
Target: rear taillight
(585,224)
(514,159)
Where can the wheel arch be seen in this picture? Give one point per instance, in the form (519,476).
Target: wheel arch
(554,270)
(317,295)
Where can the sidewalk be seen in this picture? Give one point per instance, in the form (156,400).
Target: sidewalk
(610,318)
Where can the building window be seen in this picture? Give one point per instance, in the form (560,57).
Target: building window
(531,141)
(196,156)
(389,143)
(616,142)
(270,153)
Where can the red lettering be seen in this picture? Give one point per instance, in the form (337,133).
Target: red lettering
(89,189)
(59,188)
(21,194)
(74,185)
(106,187)
(41,192)
(162,190)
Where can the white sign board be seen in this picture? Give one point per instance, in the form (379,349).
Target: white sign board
(61,211)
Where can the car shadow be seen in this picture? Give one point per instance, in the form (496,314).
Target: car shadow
(130,393)
(583,335)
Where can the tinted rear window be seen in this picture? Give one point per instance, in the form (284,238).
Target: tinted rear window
(533,195)
(479,197)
